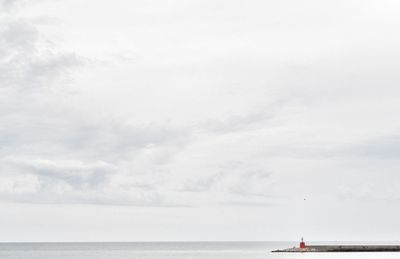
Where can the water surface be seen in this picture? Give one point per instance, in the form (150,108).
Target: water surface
(168,250)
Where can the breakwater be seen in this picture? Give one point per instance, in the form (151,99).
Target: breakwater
(341,248)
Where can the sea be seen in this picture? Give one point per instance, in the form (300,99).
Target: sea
(169,250)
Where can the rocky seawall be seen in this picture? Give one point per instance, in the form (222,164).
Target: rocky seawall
(342,248)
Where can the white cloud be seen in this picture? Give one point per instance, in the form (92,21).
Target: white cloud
(200,105)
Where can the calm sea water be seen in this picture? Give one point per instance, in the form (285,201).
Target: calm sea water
(167,250)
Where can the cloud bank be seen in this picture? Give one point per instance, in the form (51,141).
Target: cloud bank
(215,105)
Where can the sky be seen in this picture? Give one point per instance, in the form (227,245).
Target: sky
(199,120)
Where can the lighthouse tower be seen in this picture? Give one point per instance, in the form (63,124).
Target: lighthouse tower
(302,244)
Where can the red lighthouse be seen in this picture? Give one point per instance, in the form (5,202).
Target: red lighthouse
(302,244)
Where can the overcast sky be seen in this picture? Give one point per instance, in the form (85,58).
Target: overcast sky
(199,120)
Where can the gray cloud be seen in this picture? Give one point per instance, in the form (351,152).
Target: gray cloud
(91,160)
(252,183)
(7,4)
(50,151)
(74,182)
(248,204)
(386,147)
(29,61)
(74,173)
(204,184)
(67,132)
(234,184)
(383,148)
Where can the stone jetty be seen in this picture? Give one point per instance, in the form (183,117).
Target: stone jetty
(303,248)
